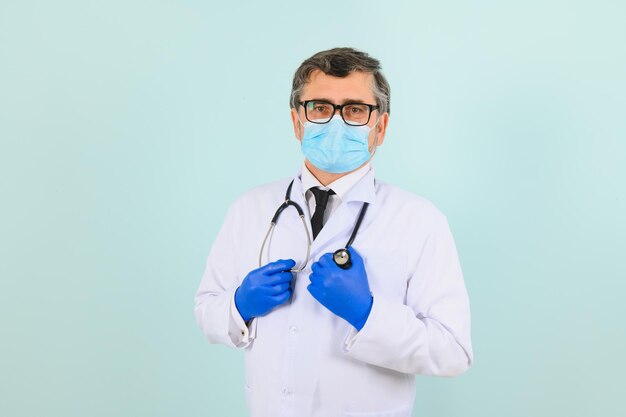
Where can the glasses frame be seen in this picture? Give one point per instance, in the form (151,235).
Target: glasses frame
(339,107)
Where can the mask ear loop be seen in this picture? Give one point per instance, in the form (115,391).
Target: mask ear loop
(375,145)
(299,119)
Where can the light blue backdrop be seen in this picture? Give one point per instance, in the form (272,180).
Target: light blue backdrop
(127,127)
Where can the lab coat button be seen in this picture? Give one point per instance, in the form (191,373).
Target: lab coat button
(287,392)
(293,329)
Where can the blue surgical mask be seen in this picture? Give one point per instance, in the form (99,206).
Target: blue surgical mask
(335,146)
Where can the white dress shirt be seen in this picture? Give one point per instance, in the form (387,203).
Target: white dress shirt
(340,186)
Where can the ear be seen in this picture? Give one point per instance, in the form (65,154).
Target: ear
(298,129)
(381,128)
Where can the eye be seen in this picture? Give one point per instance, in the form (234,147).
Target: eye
(319,108)
(357,109)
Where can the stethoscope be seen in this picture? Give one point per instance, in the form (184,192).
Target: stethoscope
(340,256)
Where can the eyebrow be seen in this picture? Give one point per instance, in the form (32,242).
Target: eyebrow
(346,101)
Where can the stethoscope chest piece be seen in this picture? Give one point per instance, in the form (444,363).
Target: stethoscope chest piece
(342,258)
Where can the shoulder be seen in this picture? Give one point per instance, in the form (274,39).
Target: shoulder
(400,199)
(268,192)
(406,205)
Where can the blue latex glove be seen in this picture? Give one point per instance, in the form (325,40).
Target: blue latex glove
(345,292)
(264,288)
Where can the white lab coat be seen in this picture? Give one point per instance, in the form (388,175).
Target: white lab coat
(301,360)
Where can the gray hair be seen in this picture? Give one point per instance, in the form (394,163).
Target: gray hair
(340,62)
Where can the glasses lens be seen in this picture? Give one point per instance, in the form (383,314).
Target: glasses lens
(356,114)
(319,111)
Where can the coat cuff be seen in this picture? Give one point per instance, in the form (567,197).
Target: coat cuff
(368,331)
(240,333)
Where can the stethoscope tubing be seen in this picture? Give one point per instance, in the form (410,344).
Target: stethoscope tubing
(338,254)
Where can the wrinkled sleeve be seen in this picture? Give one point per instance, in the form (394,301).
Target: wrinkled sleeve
(215,310)
(430,334)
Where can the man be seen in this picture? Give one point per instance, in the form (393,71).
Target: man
(335,339)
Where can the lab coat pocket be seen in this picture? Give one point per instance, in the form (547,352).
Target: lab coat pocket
(405,411)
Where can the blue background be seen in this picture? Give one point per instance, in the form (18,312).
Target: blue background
(127,127)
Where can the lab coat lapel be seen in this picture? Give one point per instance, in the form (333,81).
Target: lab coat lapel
(297,195)
(290,219)
(342,221)
(288,238)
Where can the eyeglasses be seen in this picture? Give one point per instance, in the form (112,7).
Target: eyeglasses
(354,114)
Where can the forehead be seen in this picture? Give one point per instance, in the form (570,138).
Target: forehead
(356,86)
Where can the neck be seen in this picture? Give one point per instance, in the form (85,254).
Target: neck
(325,177)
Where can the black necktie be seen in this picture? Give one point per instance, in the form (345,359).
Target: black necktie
(321,199)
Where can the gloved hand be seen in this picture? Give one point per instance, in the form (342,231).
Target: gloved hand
(264,288)
(345,292)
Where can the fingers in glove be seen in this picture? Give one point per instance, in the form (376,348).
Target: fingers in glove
(278,288)
(281,298)
(316,291)
(278,266)
(278,278)
(326,259)
(316,279)
(316,268)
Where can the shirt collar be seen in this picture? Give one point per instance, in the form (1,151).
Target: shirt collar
(343,185)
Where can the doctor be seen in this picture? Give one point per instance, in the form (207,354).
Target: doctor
(321,338)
